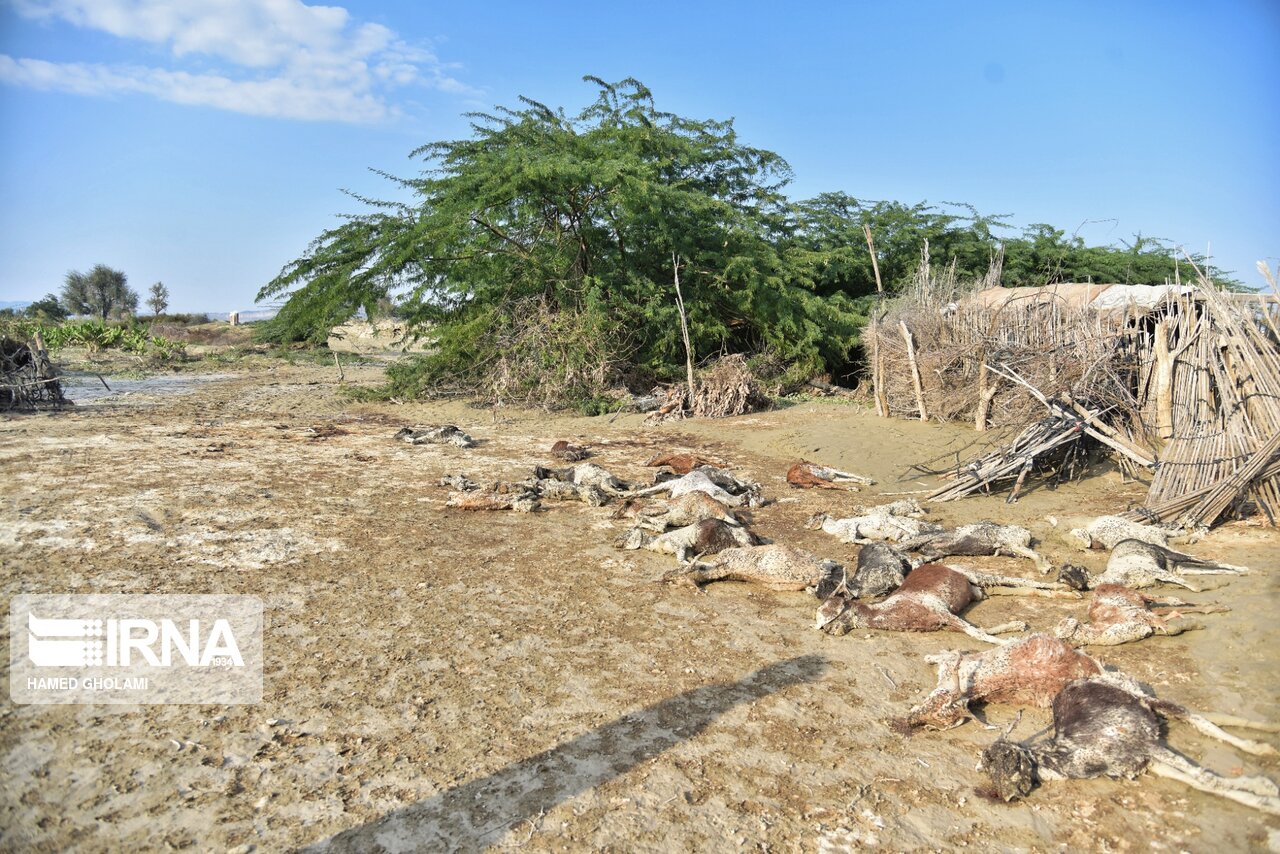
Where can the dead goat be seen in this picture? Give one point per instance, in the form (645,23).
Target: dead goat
(1105,532)
(710,536)
(718,484)
(584,474)
(563,450)
(1120,615)
(446,434)
(1136,564)
(676,513)
(876,525)
(929,600)
(807,475)
(1100,729)
(980,538)
(882,569)
(1030,671)
(681,464)
(774,566)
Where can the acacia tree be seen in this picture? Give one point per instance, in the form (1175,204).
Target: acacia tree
(580,216)
(102,291)
(158,301)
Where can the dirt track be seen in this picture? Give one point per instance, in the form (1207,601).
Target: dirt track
(443,680)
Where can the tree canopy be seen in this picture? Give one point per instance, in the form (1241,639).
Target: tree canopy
(542,224)
(102,291)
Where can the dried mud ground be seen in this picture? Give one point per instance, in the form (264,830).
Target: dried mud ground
(437,680)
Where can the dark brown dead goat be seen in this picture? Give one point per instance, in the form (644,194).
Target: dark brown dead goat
(929,600)
(1100,729)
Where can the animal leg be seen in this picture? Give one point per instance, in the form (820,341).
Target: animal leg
(1031,591)
(1008,628)
(1172,607)
(1030,554)
(1243,723)
(1257,792)
(990,583)
(961,625)
(1176,625)
(1207,727)
(1219,569)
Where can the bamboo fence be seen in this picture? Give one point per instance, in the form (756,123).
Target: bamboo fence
(1185,391)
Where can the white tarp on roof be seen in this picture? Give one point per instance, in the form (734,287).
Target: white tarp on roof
(1143,296)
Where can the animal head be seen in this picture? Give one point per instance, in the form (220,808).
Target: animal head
(1067,628)
(1012,769)
(634,538)
(815,521)
(1075,577)
(830,611)
(1080,537)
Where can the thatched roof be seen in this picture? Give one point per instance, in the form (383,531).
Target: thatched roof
(1083,295)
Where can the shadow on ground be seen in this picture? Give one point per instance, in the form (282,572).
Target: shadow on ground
(471,816)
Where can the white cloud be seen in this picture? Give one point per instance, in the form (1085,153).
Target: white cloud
(270,57)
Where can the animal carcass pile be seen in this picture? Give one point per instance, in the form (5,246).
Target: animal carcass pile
(705,517)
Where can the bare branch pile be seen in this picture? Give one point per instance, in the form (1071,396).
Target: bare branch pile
(27,377)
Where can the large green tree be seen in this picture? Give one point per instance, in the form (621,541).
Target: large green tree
(102,291)
(586,216)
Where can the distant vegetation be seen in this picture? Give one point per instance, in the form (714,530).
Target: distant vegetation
(545,249)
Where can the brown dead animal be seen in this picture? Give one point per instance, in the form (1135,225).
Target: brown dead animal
(1121,615)
(682,463)
(929,600)
(1102,729)
(1031,671)
(806,475)
(775,566)
(569,452)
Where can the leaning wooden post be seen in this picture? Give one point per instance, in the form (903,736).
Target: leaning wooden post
(915,370)
(684,328)
(877,376)
(985,395)
(875,265)
(1164,380)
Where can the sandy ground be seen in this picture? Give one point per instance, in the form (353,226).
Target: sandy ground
(438,680)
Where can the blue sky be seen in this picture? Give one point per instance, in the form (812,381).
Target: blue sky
(204,143)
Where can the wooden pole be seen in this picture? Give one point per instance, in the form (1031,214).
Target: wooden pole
(875,265)
(684,328)
(915,370)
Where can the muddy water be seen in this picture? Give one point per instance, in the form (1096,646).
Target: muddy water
(81,387)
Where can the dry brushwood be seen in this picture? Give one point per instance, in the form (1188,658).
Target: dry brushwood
(27,377)
(727,388)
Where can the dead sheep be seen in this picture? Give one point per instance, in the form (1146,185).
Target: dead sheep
(1120,615)
(1105,532)
(775,566)
(978,539)
(688,509)
(1137,564)
(446,434)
